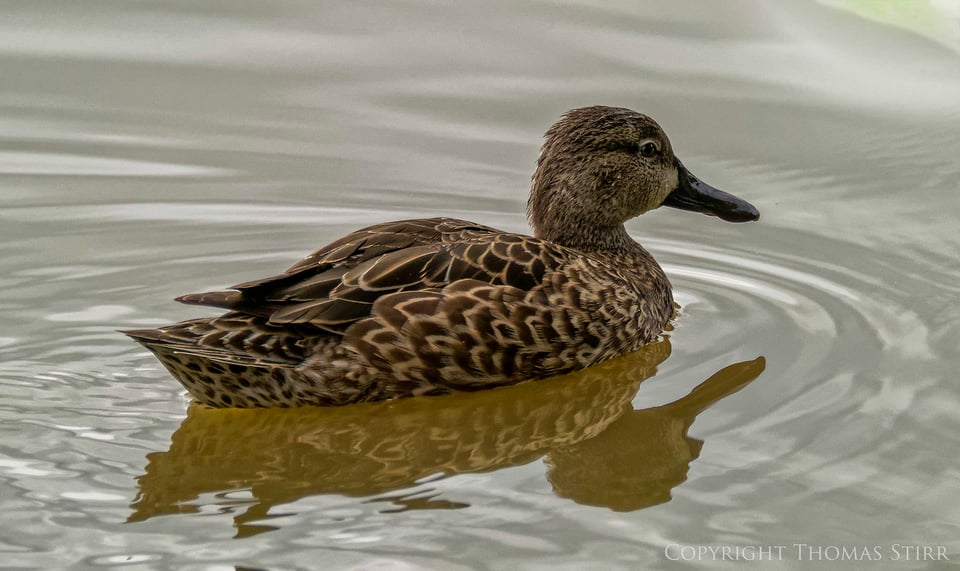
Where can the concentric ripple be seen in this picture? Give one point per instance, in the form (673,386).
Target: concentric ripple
(838,330)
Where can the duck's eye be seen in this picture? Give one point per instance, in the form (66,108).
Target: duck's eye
(649,149)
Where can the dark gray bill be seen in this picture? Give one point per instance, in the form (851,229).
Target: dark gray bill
(698,196)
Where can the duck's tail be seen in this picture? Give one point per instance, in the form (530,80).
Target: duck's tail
(228,361)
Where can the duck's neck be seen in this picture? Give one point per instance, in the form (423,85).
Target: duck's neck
(562,211)
(588,238)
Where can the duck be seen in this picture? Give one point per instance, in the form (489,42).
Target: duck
(438,305)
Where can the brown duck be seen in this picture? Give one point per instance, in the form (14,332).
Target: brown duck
(435,305)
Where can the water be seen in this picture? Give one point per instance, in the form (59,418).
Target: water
(149,150)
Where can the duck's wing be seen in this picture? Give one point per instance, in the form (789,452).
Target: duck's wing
(338,285)
(346,253)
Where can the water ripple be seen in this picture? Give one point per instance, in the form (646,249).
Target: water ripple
(48,164)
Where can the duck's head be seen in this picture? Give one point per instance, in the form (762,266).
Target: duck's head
(601,166)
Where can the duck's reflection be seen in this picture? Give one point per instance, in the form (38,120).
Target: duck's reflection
(600,450)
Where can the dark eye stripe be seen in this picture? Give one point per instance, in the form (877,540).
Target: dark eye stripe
(647,149)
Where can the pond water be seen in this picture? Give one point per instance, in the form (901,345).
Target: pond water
(807,394)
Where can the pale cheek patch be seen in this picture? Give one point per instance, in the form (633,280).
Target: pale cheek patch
(670,184)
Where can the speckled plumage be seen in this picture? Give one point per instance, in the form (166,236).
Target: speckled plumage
(433,305)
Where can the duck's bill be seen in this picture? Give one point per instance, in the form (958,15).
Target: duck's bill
(698,196)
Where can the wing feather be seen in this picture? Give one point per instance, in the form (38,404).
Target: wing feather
(339,284)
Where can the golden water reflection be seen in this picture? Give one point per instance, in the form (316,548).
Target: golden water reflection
(600,451)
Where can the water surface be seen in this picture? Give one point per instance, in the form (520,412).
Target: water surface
(806,393)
